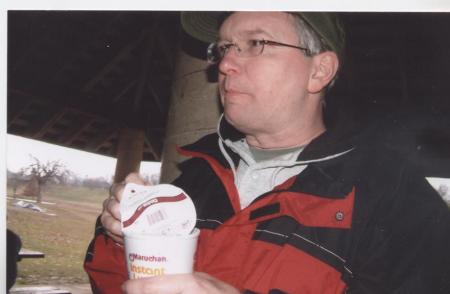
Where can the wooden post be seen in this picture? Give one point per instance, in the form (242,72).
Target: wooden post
(130,147)
(194,111)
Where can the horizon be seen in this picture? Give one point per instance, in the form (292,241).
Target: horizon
(83,164)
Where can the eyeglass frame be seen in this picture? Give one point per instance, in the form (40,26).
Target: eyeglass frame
(264,42)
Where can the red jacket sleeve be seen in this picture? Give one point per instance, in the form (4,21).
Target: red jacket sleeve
(105,264)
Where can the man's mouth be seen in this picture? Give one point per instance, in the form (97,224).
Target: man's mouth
(232,91)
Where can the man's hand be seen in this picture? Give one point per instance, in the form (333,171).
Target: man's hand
(197,283)
(110,217)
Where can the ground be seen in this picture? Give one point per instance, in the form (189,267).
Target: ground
(62,233)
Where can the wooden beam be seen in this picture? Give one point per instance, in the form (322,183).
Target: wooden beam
(112,65)
(15,116)
(19,104)
(101,139)
(156,99)
(79,119)
(145,64)
(153,149)
(168,52)
(41,130)
(80,130)
(122,93)
(38,114)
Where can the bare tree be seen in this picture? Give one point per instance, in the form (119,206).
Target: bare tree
(42,173)
(14,180)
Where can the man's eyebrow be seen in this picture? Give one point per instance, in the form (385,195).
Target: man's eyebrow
(252,32)
(256,32)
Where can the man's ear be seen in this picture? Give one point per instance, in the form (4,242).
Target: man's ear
(325,66)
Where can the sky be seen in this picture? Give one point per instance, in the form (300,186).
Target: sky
(83,164)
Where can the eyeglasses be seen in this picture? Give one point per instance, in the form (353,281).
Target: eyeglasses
(250,48)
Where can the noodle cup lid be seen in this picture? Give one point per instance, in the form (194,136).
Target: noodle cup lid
(161,209)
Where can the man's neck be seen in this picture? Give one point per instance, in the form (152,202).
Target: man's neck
(286,138)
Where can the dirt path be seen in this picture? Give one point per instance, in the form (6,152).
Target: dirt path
(86,211)
(72,288)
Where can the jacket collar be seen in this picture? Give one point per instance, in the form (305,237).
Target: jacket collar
(331,142)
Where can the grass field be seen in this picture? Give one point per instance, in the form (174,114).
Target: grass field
(63,237)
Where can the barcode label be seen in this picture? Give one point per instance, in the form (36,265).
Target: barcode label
(156,217)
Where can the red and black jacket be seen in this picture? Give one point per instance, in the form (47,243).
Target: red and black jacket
(362,222)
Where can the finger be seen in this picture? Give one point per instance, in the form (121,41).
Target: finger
(111,224)
(116,190)
(135,286)
(212,285)
(116,238)
(197,283)
(138,286)
(112,206)
(107,201)
(165,284)
(135,178)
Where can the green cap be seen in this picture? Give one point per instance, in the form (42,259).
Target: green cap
(204,25)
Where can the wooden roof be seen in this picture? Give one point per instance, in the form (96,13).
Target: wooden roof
(75,77)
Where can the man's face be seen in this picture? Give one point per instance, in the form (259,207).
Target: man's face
(267,92)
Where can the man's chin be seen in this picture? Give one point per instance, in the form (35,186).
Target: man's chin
(239,121)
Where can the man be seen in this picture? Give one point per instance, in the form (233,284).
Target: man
(283,205)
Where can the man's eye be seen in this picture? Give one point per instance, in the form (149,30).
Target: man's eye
(256,43)
(224,47)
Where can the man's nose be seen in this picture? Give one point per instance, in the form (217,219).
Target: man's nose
(230,62)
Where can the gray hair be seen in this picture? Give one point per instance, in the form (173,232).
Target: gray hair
(309,39)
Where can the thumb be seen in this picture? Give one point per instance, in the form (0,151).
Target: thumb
(135,178)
